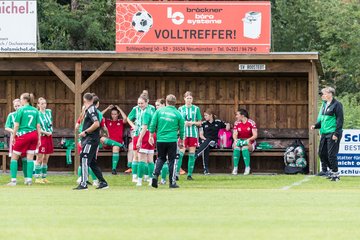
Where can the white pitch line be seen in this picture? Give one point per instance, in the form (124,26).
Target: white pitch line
(306,179)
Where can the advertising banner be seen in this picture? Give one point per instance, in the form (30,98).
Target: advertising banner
(193,27)
(349,153)
(18,26)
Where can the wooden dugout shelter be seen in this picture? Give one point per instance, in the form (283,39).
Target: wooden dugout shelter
(283,96)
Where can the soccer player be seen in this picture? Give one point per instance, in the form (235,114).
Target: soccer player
(330,122)
(146,150)
(209,132)
(46,144)
(26,137)
(244,134)
(115,128)
(192,118)
(9,127)
(90,138)
(167,122)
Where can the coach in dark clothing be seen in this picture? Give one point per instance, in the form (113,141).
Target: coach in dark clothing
(90,139)
(209,136)
(330,122)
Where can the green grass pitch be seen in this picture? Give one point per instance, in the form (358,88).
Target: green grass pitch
(211,207)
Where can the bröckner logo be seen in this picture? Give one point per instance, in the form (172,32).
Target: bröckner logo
(176,17)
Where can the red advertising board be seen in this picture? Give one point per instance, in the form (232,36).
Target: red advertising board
(193,27)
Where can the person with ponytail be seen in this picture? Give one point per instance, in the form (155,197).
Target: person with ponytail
(46,144)
(115,140)
(192,118)
(244,134)
(209,132)
(27,133)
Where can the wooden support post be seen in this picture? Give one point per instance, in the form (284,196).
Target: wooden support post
(316,98)
(9,96)
(236,94)
(4,156)
(77,88)
(311,120)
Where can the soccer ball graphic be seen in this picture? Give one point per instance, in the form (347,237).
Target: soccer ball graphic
(142,21)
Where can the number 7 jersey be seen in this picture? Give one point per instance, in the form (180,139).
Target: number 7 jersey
(27,117)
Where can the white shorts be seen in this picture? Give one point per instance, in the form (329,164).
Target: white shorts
(146,151)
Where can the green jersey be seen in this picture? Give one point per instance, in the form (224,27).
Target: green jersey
(152,108)
(28,117)
(193,114)
(166,122)
(135,116)
(10,120)
(46,121)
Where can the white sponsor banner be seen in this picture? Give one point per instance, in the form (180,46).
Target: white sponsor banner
(349,153)
(18,20)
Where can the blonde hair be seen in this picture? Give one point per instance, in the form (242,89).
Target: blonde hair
(29,97)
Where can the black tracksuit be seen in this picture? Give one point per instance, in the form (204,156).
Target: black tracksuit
(211,130)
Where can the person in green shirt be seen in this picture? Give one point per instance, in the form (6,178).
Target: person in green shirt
(167,123)
(46,146)
(192,116)
(26,137)
(330,122)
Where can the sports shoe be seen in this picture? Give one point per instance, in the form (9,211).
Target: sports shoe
(154,183)
(182,172)
(173,185)
(235,171)
(189,178)
(177,178)
(80,187)
(96,183)
(206,171)
(28,182)
(335,178)
(146,178)
(139,184)
(323,174)
(78,181)
(11,184)
(45,180)
(39,180)
(128,171)
(134,179)
(247,171)
(113,172)
(163,182)
(103,185)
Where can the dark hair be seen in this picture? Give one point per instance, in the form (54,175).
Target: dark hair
(243,112)
(161,101)
(88,96)
(210,112)
(187,93)
(29,97)
(95,100)
(115,109)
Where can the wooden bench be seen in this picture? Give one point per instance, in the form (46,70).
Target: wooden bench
(278,138)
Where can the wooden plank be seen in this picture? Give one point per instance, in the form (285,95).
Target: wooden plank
(4,156)
(311,120)
(57,71)
(314,135)
(78,104)
(95,75)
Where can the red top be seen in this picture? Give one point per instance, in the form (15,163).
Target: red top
(115,129)
(244,130)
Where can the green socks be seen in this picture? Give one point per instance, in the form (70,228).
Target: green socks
(246,156)
(24,166)
(129,164)
(179,163)
(115,160)
(13,169)
(141,169)
(164,171)
(38,170)
(30,168)
(134,167)
(79,171)
(191,163)
(151,167)
(112,143)
(236,157)
(44,171)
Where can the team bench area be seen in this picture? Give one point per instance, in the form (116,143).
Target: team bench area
(262,160)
